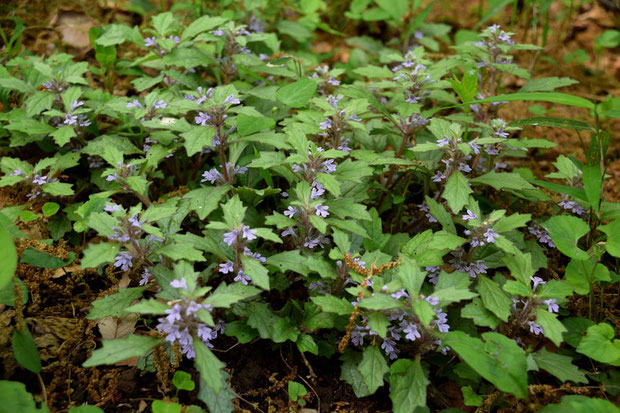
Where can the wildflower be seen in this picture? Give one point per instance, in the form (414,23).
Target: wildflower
(443,142)
(227,267)
(411,331)
(242,278)
(160,104)
(470,215)
(321,210)
(291,211)
(232,100)
(491,235)
(399,294)
(135,104)
(388,346)
(150,42)
(537,281)
(123,260)
(552,307)
(179,284)
(535,328)
(174,38)
(146,277)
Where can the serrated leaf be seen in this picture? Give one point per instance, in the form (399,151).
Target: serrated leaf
(565,231)
(457,191)
(121,349)
(407,385)
(494,299)
(97,254)
(373,368)
(560,366)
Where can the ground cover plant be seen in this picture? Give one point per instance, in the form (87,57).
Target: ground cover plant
(250,227)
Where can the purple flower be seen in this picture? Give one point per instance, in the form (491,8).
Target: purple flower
(291,211)
(75,104)
(537,281)
(70,119)
(443,142)
(389,347)
(159,104)
(218,32)
(123,260)
(463,167)
(328,166)
(248,233)
(242,278)
(475,147)
(552,307)
(135,104)
(491,235)
(438,177)
(535,328)
(442,321)
(39,180)
(432,300)
(211,176)
(146,277)
(227,267)
(232,100)
(231,237)
(134,221)
(174,38)
(399,294)
(411,331)
(112,207)
(326,124)
(321,210)
(470,215)
(150,41)
(255,255)
(179,284)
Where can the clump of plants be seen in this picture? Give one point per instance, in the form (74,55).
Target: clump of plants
(370,213)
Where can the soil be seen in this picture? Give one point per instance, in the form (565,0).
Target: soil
(59,301)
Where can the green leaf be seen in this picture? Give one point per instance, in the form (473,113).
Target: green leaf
(226,295)
(217,402)
(503,180)
(58,189)
(28,216)
(424,310)
(258,273)
(85,409)
(39,102)
(470,398)
(560,366)
(350,373)
(553,97)
(270,325)
(234,211)
(97,254)
(197,138)
(494,299)
(25,350)
(378,322)
(499,360)
(551,122)
(481,316)
(565,232)
(247,125)
(547,84)
(612,230)
(63,135)
(151,306)
(410,276)
(160,406)
(457,191)
(552,327)
(580,404)
(183,381)
(15,398)
(331,304)
(114,305)
(305,343)
(202,24)
(42,260)
(593,185)
(297,94)
(122,349)
(598,344)
(205,200)
(373,367)
(182,250)
(209,366)
(408,384)
(50,208)
(8,257)
(581,274)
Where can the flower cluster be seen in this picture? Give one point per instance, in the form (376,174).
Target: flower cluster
(414,79)
(238,239)
(213,175)
(183,321)
(405,326)
(542,235)
(336,125)
(35,180)
(328,81)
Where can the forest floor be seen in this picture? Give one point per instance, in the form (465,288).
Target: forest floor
(59,299)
